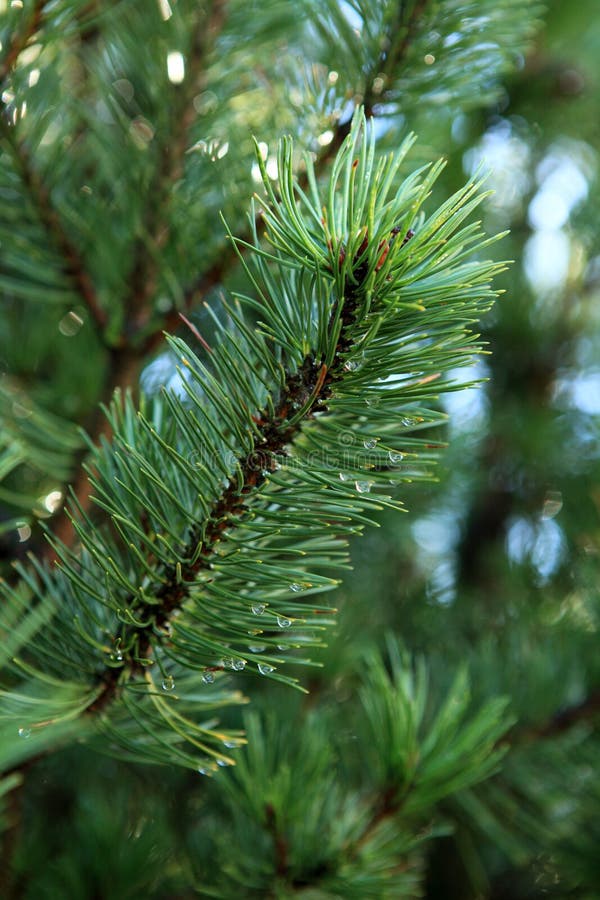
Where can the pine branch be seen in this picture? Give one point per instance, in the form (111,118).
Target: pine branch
(294,425)
(311,387)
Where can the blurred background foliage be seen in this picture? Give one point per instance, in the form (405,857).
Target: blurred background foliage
(498,564)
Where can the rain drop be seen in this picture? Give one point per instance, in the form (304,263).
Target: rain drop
(395,457)
(238,665)
(370,444)
(232,745)
(363,487)
(208,677)
(223,762)
(296,588)
(283,622)
(24,733)
(372,401)
(227,662)
(258,608)
(351,365)
(343,476)
(264,669)
(256,648)
(168,683)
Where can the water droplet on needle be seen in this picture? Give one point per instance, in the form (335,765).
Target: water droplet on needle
(168,683)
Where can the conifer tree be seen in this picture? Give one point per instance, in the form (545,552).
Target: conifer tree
(240,298)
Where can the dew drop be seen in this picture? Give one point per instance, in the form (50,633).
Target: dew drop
(258,608)
(407,422)
(395,457)
(24,733)
(283,622)
(238,665)
(343,476)
(265,669)
(232,745)
(227,662)
(370,444)
(363,487)
(203,771)
(168,683)
(296,588)
(117,653)
(208,677)
(372,401)
(256,648)
(351,365)
(283,647)
(223,762)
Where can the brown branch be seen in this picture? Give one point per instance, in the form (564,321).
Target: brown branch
(280,844)
(586,711)
(73,263)
(146,257)
(20,39)
(389,805)
(74,266)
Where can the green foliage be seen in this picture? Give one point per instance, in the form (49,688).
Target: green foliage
(298,827)
(102,833)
